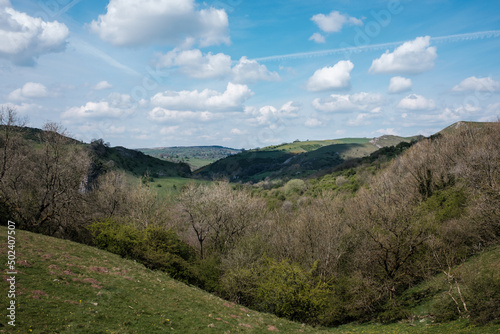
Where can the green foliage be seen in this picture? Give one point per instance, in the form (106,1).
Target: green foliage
(154,247)
(121,239)
(280,287)
(446,204)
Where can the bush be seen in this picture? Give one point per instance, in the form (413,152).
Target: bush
(281,288)
(121,239)
(155,247)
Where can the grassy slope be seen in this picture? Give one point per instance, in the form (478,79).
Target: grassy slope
(297,158)
(65,287)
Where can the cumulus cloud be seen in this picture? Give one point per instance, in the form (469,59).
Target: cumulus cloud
(361,119)
(346,103)
(388,131)
(159,114)
(30,90)
(236,131)
(416,102)
(334,21)
(317,37)
(195,64)
(337,76)
(270,115)
(168,130)
(202,66)
(132,23)
(313,123)
(477,85)
(24,38)
(248,70)
(114,106)
(208,99)
(102,85)
(399,84)
(412,57)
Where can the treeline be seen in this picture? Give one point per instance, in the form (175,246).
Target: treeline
(350,254)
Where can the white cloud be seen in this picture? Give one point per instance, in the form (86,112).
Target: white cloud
(334,21)
(361,119)
(317,37)
(236,131)
(399,84)
(195,64)
(337,76)
(270,115)
(416,102)
(345,103)
(412,57)
(30,90)
(24,38)
(388,131)
(102,85)
(232,98)
(159,114)
(173,22)
(168,130)
(478,85)
(198,65)
(116,105)
(313,123)
(248,70)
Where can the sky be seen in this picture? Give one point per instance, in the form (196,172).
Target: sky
(247,74)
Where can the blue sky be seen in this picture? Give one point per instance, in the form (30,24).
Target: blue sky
(249,74)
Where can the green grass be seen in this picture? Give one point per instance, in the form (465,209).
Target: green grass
(65,287)
(170,187)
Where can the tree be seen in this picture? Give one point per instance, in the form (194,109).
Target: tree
(218,214)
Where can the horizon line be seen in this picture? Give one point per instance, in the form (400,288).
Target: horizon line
(361,48)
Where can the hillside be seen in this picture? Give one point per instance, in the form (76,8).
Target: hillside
(66,287)
(297,159)
(136,162)
(195,156)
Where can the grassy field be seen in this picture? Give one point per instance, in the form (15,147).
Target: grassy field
(166,187)
(65,287)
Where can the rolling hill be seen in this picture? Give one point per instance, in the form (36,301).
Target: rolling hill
(66,287)
(195,156)
(297,159)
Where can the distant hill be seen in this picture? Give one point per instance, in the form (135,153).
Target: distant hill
(195,156)
(117,158)
(297,159)
(135,162)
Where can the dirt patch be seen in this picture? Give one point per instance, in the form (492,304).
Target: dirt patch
(69,272)
(99,269)
(46,256)
(54,267)
(230,305)
(91,280)
(36,294)
(95,286)
(246,325)
(71,302)
(272,329)
(234,316)
(24,263)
